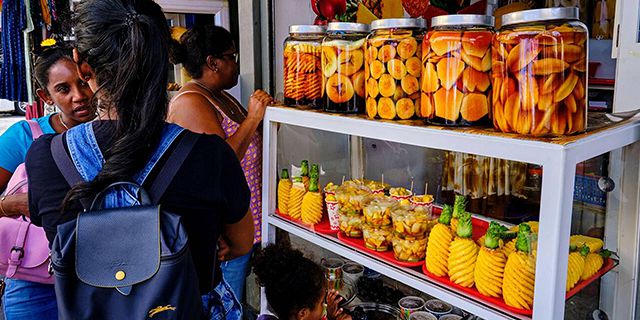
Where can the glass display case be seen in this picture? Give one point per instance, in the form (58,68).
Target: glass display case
(572,191)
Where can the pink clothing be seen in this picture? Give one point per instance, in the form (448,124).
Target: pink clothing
(251,164)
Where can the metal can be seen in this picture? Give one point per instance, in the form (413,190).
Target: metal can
(393,68)
(343,67)
(540,73)
(303,67)
(456,71)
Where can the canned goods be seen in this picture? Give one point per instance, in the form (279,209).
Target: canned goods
(343,67)
(393,68)
(456,73)
(302,66)
(540,73)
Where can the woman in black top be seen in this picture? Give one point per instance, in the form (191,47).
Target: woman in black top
(122,52)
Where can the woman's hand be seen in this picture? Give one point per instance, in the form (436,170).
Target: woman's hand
(16,204)
(223,249)
(333,299)
(258,104)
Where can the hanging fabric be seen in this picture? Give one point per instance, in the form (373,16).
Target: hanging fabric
(13,81)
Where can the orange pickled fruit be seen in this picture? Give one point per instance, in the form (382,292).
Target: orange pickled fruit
(476,43)
(447,103)
(386,108)
(449,70)
(430,82)
(474,106)
(444,41)
(426,106)
(405,108)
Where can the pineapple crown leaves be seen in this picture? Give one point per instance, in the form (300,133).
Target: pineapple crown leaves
(584,251)
(459,205)
(313,183)
(523,241)
(304,168)
(284,174)
(297,179)
(607,253)
(493,235)
(465,227)
(445,216)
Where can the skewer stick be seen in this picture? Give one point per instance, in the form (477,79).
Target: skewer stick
(383,179)
(426,188)
(343,179)
(412,186)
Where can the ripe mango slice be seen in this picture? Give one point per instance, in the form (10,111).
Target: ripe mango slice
(430,82)
(405,108)
(474,80)
(476,43)
(372,108)
(522,54)
(386,109)
(426,106)
(444,41)
(543,67)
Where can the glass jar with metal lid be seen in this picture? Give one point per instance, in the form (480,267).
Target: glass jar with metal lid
(393,68)
(540,65)
(456,74)
(303,67)
(343,67)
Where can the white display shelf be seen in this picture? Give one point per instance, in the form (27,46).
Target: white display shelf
(558,157)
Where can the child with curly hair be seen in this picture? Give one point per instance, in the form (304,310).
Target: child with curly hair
(295,286)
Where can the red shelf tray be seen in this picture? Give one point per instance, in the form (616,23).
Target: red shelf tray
(322,227)
(387,255)
(608,265)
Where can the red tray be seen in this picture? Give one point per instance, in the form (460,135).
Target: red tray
(387,255)
(608,265)
(322,227)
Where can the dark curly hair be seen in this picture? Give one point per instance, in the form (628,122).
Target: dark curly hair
(197,44)
(291,281)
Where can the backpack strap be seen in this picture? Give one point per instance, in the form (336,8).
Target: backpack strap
(36,131)
(172,165)
(66,166)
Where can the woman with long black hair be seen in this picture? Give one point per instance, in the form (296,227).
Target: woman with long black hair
(122,51)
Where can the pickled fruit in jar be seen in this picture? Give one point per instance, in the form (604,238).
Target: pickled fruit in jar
(392,82)
(377,238)
(540,79)
(344,75)
(409,250)
(302,74)
(351,225)
(378,211)
(456,78)
(411,221)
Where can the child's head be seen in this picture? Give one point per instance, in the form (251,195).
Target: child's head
(294,285)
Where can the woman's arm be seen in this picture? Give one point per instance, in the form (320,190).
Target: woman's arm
(239,236)
(14,205)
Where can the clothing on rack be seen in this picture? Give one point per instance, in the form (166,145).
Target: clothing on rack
(13,78)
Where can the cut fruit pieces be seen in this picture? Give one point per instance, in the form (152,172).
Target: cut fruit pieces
(548,66)
(430,82)
(386,108)
(522,54)
(426,106)
(386,53)
(474,107)
(449,70)
(476,43)
(444,41)
(447,103)
(414,67)
(474,80)
(410,84)
(329,61)
(407,48)
(405,108)
(372,108)
(387,85)
(377,69)
(396,69)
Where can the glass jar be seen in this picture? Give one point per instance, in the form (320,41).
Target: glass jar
(393,68)
(540,67)
(343,67)
(456,76)
(303,67)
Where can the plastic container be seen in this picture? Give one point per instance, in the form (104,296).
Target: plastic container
(333,211)
(437,307)
(400,194)
(352,272)
(377,212)
(302,66)
(409,305)
(377,238)
(456,76)
(351,225)
(352,197)
(343,67)
(540,65)
(425,201)
(409,250)
(394,50)
(422,315)
(410,222)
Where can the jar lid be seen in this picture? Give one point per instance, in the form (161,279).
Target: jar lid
(463,20)
(540,15)
(347,26)
(397,23)
(306,28)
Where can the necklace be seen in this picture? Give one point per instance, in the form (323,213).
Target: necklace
(62,121)
(199,84)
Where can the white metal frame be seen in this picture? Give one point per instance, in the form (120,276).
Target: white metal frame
(559,163)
